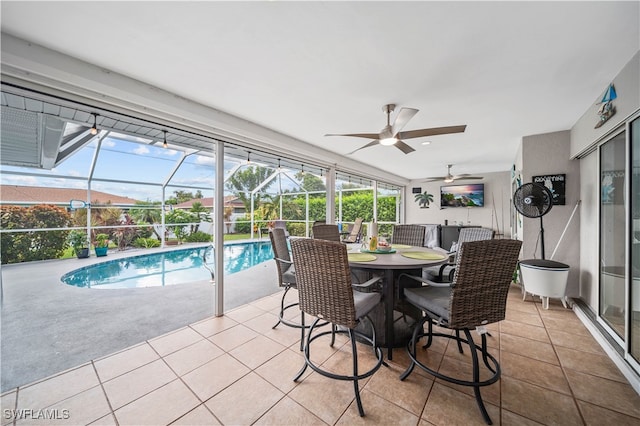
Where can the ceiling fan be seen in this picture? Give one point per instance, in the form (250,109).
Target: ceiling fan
(451,178)
(391,134)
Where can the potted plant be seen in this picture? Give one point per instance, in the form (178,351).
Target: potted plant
(79,242)
(101,244)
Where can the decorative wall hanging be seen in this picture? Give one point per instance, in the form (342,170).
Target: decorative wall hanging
(424,200)
(607,110)
(556,184)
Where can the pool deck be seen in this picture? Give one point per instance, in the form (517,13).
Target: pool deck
(48,326)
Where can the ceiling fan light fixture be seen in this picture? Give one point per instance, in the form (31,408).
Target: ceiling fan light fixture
(388,141)
(449,179)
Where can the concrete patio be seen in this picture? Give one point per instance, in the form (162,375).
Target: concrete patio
(48,326)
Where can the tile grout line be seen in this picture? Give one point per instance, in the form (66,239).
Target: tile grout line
(104,392)
(562,368)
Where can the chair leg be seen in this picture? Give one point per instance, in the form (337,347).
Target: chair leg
(459,343)
(476,374)
(429,336)
(356,388)
(302,327)
(357,376)
(413,343)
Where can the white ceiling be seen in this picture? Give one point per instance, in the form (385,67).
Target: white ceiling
(506,69)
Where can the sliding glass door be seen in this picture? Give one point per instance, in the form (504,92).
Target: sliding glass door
(613,162)
(634,294)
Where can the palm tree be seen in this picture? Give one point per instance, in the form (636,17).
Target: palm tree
(201,212)
(424,199)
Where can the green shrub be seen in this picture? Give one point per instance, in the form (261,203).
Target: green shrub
(146,242)
(33,245)
(296,229)
(199,237)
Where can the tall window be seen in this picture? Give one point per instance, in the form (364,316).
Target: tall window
(613,163)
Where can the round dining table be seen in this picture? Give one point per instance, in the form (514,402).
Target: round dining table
(401,259)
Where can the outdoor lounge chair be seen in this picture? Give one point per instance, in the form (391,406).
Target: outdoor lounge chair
(355,234)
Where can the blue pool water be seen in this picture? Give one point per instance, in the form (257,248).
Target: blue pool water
(167,268)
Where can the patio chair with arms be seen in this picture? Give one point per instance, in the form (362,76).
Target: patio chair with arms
(325,231)
(444,273)
(412,235)
(476,297)
(326,292)
(286,276)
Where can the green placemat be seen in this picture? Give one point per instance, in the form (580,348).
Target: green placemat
(423,255)
(400,246)
(361,257)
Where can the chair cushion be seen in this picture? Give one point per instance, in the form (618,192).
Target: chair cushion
(290,276)
(432,299)
(365,302)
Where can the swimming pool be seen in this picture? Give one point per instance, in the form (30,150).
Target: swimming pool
(168,267)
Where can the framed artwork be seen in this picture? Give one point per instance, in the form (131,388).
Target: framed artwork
(555,184)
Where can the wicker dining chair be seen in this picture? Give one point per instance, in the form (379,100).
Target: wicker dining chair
(326,292)
(286,276)
(444,273)
(476,297)
(412,235)
(326,231)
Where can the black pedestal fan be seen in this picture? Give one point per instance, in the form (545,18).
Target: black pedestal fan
(533,200)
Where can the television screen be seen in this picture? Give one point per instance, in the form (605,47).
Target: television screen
(462,195)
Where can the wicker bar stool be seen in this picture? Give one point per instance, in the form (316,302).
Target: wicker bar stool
(412,235)
(286,277)
(326,231)
(476,297)
(326,292)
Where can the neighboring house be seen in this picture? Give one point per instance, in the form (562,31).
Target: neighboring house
(19,195)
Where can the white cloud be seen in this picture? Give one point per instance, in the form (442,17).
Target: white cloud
(170,152)
(19,180)
(141,150)
(204,160)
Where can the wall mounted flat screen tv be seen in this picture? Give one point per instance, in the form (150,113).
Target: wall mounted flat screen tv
(462,195)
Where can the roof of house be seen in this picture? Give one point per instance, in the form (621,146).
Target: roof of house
(17,194)
(229,200)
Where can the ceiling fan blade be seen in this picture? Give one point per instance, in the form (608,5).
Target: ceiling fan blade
(402,119)
(357,135)
(404,147)
(434,178)
(431,132)
(372,143)
(467,177)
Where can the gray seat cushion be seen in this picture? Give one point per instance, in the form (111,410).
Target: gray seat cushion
(290,275)
(365,302)
(432,299)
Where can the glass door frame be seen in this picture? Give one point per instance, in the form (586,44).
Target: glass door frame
(623,343)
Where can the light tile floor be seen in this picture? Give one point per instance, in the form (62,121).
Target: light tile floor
(236,370)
